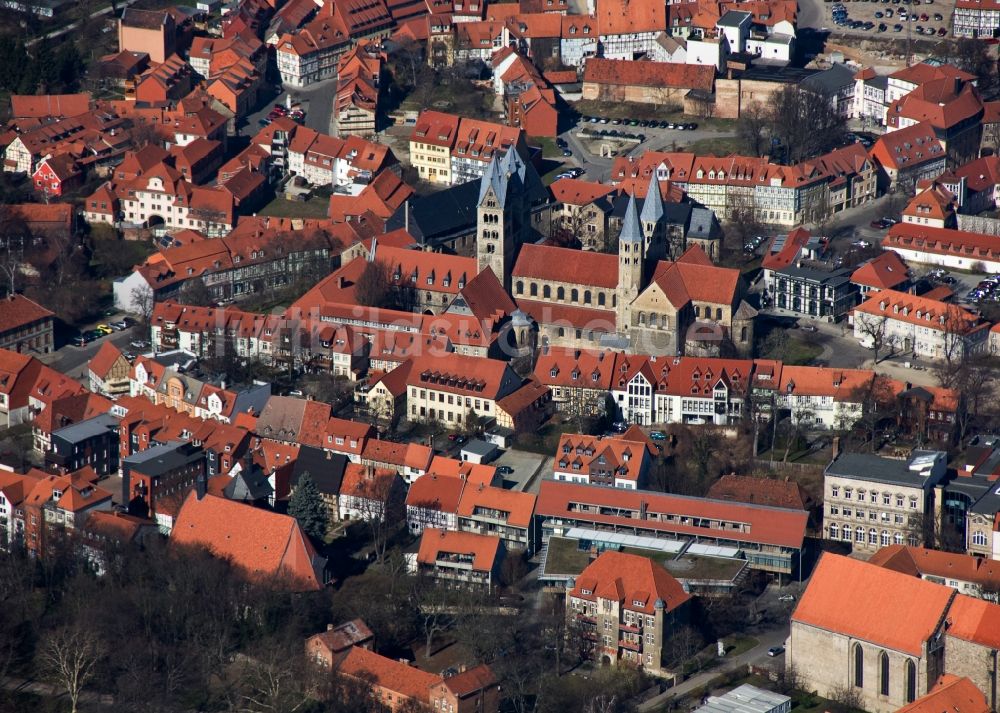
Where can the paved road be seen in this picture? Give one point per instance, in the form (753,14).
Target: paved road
(73,360)
(758,654)
(598,168)
(73,25)
(316,101)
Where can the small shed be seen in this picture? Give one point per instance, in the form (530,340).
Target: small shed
(477,451)
(499,436)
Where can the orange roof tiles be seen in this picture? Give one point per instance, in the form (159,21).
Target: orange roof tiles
(649,74)
(574,191)
(908,147)
(938,103)
(261,542)
(767,525)
(762,491)
(389,674)
(49,105)
(574,367)
(576,267)
(873,604)
(928,313)
(433,492)
(942,241)
(950,693)
(975,620)
(484,549)
(637,583)
(18,311)
(885,272)
(628,17)
(520,507)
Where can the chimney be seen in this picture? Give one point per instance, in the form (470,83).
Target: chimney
(329,627)
(836,447)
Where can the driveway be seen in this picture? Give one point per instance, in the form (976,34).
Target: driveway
(316,100)
(756,655)
(72,361)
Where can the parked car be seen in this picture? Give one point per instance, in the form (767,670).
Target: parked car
(264,122)
(138,344)
(776,651)
(941,32)
(658,435)
(619,426)
(505,470)
(80,340)
(296,392)
(786,598)
(104,329)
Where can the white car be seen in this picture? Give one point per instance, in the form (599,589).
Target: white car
(861,244)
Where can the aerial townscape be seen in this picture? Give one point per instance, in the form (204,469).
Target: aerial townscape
(500,356)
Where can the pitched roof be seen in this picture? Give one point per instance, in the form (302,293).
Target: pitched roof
(928,313)
(885,272)
(434,492)
(18,311)
(628,17)
(390,674)
(260,542)
(577,267)
(649,74)
(951,694)
(762,491)
(942,241)
(873,604)
(907,147)
(484,549)
(975,620)
(343,636)
(637,582)
(105,358)
(767,525)
(49,105)
(474,679)
(520,507)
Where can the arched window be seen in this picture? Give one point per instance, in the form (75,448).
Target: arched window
(533,288)
(664,321)
(519,287)
(911,681)
(600,299)
(697,311)
(883,673)
(614,301)
(979,538)
(859,666)
(897,539)
(560,293)
(586,297)
(886,539)
(574,295)
(561,332)
(743,334)
(642,318)
(834,531)
(859,534)
(873,536)
(718,314)
(547,292)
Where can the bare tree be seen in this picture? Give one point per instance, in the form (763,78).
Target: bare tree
(804,122)
(436,606)
(873,328)
(374,285)
(378,502)
(70,656)
(752,129)
(143,301)
(271,685)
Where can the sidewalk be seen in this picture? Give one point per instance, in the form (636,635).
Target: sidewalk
(773,638)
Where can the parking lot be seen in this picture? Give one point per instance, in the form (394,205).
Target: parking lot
(873,17)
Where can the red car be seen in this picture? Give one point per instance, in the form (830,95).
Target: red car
(280,109)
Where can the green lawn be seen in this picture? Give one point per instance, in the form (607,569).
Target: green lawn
(548,147)
(695,567)
(739,644)
(315,207)
(799,352)
(565,557)
(722,146)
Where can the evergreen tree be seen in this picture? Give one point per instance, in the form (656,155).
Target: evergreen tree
(308,508)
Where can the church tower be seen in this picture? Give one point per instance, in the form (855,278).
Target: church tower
(503,219)
(631,260)
(652,221)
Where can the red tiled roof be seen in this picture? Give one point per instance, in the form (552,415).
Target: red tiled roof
(772,526)
(575,191)
(762,491)
(841,384)
(585,369)
(49,105)
(104,359)
(794,242)
(928,313)
(950,693)
(484,549)
(942,241)
(17,311)
(648,74)
(261,542)
(400,678)
(908,147)
(627,17)
(975,620)
(873,604)
(475,679)
(885,272)
(432,491)
(575,267)
(520,507)
(637,583)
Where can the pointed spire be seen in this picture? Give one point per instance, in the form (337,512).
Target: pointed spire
(631,228)
(652,208)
